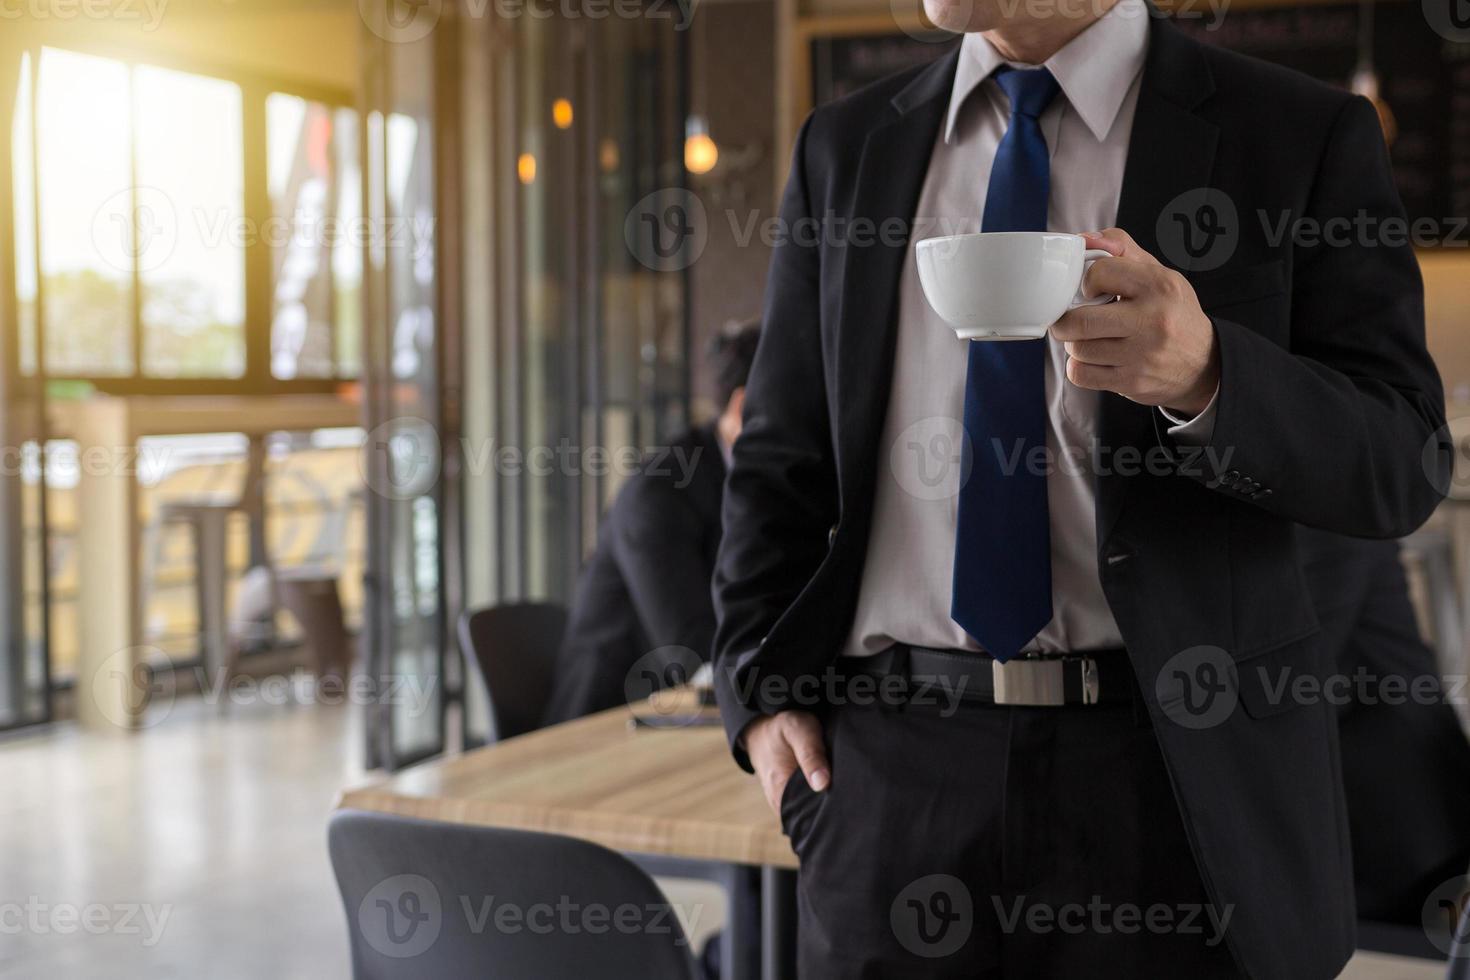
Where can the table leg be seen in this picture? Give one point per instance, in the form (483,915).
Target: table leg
(741,954)
(211,528)
(778,924)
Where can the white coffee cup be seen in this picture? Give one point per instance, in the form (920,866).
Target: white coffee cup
(1005,285)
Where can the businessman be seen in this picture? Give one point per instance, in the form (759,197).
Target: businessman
(647,586)
(1124,787)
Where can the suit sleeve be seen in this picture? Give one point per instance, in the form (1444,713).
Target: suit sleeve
(1344,431)
(660,552)
(781,493)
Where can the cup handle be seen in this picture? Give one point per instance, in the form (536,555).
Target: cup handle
(1088,257)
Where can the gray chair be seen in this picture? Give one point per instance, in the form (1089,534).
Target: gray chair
(513,647)
(430,899)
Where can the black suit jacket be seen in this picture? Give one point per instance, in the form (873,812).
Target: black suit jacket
(647,585)
(1328,415)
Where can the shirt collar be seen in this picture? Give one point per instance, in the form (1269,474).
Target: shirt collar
(1094,69)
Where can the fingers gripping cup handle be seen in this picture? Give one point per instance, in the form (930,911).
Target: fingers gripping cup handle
(1088,257)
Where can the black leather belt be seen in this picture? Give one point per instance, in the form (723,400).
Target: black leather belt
(1094,677)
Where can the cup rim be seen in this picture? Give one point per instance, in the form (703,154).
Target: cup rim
(998,234)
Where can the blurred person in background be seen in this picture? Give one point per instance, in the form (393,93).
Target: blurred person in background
(647,586)
(1405,758)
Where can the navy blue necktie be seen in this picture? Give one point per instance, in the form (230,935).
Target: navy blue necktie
(1002,551)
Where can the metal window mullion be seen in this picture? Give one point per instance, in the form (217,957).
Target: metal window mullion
(516,577)
(256,208)
(329,249)
(596,322)
(572,43)
(137,305)
(43,510)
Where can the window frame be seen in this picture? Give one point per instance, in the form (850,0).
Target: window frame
(255,89)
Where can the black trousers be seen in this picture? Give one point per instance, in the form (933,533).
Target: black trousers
(979,841)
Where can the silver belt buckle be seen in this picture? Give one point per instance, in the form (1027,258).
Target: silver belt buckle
(1041,682)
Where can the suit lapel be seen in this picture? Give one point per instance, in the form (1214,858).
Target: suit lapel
(895,160)
(1171,151)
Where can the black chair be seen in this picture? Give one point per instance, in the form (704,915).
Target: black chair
(513,648)
(430,899)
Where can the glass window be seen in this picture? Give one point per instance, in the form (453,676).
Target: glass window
(346,247)
(315,193)
(144,232)
(23,175)
(87,243)
(191,203)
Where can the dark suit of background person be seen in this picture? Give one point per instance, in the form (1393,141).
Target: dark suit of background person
(647,584)
(1405,761)
(1329,406)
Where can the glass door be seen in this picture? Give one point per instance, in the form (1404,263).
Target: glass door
(24,628)
(518,342)
(403,455)
(599,329)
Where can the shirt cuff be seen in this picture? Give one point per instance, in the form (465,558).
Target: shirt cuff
(1196,431)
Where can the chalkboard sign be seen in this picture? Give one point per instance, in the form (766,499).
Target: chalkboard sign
(1424,81)
(844,64)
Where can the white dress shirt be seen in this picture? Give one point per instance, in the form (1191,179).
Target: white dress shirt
(906,585)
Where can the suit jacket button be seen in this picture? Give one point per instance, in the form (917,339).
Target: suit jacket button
(831,535)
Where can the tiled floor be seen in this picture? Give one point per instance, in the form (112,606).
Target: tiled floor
(215,820)
(214,824)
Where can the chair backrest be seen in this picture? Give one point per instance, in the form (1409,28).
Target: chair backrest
(430,899)
(514,647)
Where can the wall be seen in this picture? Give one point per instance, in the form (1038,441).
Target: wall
(732,69)
(1447,312)
(314,41)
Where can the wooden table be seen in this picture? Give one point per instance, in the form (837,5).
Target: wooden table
(671,797)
